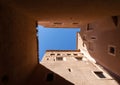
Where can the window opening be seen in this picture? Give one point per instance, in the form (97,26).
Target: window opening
(89,27)
(78,58)
(75,23)
(5,79)
(47,58)
(115,20)
(52,54)
(84,38)
(59,58)
(99,74)
(58,23)
(68,54)
(112,50)
(69,70)
(75,54)
(58,54)
(93,37)
(50,77)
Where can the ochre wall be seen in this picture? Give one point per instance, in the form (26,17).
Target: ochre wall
(39,77)
(18,46)
(106,34)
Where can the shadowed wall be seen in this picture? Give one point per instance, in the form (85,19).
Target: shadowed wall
(18,45)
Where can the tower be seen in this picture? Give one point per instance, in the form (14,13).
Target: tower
(74,67)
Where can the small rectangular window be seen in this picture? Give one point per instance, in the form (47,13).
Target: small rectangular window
(52,54)
(75,23)
(70,70)
(47,58)
(89,27)
(115,20)
(58,23)
(50,77)
(68,54)
(59,58)
(84,38)
(112,50)
(58,54)
(93,38)
(99,74)
(78,58)
(75,54)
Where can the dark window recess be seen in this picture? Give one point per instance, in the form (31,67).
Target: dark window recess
(59,58)
(69,69)
(82,54)
(84,38)
(93,38)
(112,50)
(115,20)
(99,74)
(75,54)
(58,23)
(78,58)
(5,79)
(89,27)
(52,54)
(47,58)
(36,24)
(75,23)
(68,54)
(58,54)
(50,77)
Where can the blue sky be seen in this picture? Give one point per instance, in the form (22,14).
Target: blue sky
(56,39)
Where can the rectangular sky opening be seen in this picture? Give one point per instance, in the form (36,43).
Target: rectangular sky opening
(56,39)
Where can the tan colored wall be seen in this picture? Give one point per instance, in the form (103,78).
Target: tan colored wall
(106,34)
(39,75)
(84,49)
(63,53)
(18,48)
(66,12)
(74,70)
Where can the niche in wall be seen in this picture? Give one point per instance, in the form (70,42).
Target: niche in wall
(69,69)
(59,58)
(84,38)
(115,20)
(58,54)
(112,50)
(93,37)
(52,54)
(89,27)
(99,74)
(78,58)
(50,77)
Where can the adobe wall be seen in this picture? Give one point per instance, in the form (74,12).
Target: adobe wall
(104,34)
(40,77)
(18,48)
